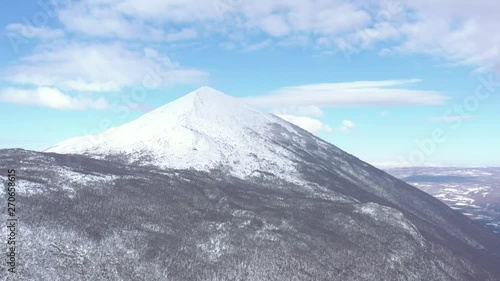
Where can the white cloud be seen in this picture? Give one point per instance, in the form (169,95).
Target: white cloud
(458,30)
(87,67)
(112,59)
(50,97)
(347,126)
(384,113)
(257,46)
(307,123)
(103,19)
(128,19)
(179,11)
(29,31)
(350,94)
(184,34)
(452,118)
(325,17)
(310,110)
(99,48)
(275,25)
(367,37)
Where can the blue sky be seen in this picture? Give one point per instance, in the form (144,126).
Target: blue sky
(394,83)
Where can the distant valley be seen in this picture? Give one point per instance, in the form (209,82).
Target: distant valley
(473,191)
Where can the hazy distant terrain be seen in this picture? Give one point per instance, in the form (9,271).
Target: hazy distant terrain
(473,191)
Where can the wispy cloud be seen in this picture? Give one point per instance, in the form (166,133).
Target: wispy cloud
(184,34)
(310,110)
(456,30)
(95,67)
(460,31)
(50,97)
(98,46)
(452,118)
(29,31)
(105,19)
(350,94)
(257,46)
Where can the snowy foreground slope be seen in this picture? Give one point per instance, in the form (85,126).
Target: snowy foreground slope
(206,188)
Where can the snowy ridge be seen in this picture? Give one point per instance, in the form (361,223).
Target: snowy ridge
(203,130)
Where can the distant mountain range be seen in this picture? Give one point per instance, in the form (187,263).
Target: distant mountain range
(208,188)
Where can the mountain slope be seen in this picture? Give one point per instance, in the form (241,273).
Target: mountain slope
(88,219)
(211,133)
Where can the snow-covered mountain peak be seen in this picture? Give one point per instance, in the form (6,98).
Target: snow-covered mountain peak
(204,129)
(204,103)
(200,98)
(208,94)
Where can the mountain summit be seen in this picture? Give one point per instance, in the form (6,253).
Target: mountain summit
(202,130)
